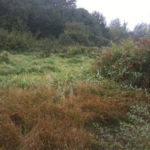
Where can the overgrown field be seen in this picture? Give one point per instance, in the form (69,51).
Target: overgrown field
(20,70)
(67,101)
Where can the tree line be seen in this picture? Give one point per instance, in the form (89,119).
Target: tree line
(62,20)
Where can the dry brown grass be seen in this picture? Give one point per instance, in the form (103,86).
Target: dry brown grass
(31,120)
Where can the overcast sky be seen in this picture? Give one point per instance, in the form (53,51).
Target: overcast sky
(130,11)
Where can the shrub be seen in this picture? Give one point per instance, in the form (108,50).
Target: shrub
(75,32)
(16,41)
(65,39)
(47,44)
(129,135)
(78,50)
(127,63)
(70,51)
(4,57)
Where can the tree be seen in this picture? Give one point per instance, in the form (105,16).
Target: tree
(118,31)
(13,14)
(100,32)
(141,30)
(46,17)
(51,18)
(62,3)
(77,32)
(45,20)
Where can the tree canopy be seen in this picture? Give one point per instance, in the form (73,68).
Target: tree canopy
(45,18)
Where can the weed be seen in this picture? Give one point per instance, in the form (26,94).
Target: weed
(126,63)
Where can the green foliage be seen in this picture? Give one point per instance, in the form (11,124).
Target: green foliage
(45,20)
(78,32)
(65,39)
(99,32)
(141,30)
(46,17)
(47,45)
(128,62)
(54,18)
(129,135)
(16,41)
(72,51)
(118,31)
(4,57)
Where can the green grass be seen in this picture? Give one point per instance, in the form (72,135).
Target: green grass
(27,70)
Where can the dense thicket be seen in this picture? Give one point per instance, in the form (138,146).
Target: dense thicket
(127,63)
(54,18)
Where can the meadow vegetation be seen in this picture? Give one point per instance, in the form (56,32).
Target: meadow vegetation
(70,82)
(64,101)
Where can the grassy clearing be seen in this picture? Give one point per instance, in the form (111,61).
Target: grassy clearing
(27,70)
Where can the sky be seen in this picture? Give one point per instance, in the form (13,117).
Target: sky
(131,11)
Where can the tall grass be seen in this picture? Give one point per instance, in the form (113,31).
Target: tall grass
(20,70)
(42,118)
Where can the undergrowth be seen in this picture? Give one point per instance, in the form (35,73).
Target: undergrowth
(55,101)
(127,63)
(42,118)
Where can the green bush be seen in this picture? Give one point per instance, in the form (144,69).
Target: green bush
(4,57)
(16,41)
(70,51)
(127,63)
(65,39)
(47,44)
(75,32)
